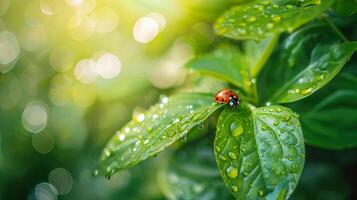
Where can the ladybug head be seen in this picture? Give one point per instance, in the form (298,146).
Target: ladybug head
(233,102)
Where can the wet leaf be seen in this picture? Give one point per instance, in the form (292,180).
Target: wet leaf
(192,174)
(260,19)
(259,151)
(305,61)
(235,65)
(329,117)
(153,131)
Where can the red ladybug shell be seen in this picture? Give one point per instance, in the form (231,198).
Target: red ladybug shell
(227,96)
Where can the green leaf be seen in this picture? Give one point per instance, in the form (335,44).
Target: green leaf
(305,61)
(192,173)
(261,19)
(346,7)
(322,180)
(259,151)
(322,68)
(329,117)
(153,131)
(234,65)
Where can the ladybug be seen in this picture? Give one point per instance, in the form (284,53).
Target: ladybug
(227,96)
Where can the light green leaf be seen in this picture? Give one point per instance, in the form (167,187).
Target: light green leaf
(153,131)
(235,65)
(192,173)
(259,151)
(260,19)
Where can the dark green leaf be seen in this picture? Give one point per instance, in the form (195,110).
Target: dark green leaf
(260,19)
(304,62)
(259,151)
(153,131)
(346,7)
(234,65)
(329,117)
(322,181)
(192,174)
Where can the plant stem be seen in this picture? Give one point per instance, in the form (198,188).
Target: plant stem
(334,28)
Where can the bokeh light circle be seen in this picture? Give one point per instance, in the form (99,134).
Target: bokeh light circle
(82,6)
(34,117)
(45,191)
(9,51)
(108,66)
(43,142)
(85,71)
(61,179)
(145,29)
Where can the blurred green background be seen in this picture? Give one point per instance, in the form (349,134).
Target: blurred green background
(74,71)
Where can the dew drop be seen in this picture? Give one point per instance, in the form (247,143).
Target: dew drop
(236,129)
(127,130)
(265,3)
(306,91)
(121,136)
(264,128)
(200,125)
(164,99)
(251,18)
(245,174)
(276,123)
(242,31)
(184,138)
(223,158)
(232,172)
(260,192)
(146,141)
(155,116)
(270,25)
(107,152)
(259,7)
(95,172)
(232,155)
(275,18)
(243,24)
(217,148)
(234,188)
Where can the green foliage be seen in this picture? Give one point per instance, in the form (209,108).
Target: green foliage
(305,62)
(260,19)
(153,131)
(198,178)
(234,65)
(330,118)
(258,149)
